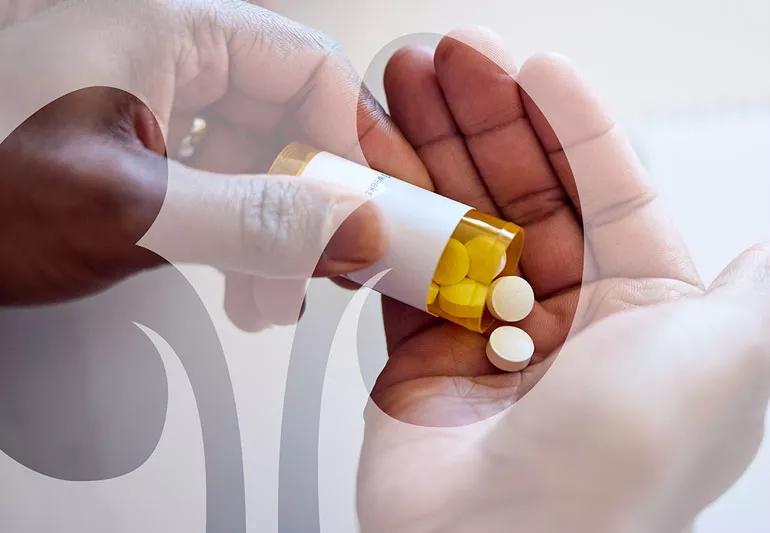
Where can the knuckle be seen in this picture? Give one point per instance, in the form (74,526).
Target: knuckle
(210,19)
(272,211)
(320,41)
(330,51)
(287,32)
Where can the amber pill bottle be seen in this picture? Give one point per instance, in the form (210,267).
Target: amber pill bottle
(420,226)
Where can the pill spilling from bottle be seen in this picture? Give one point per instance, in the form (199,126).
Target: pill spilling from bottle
(510,348)
(444,257)
(461,287)
(510,299)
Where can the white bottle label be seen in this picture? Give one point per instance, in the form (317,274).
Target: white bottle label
(419,224)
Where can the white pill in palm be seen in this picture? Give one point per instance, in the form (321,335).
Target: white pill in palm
(510,298)
(510,348)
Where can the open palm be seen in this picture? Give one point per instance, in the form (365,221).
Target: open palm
(481,131)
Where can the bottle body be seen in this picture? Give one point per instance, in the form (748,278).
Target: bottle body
(442,255)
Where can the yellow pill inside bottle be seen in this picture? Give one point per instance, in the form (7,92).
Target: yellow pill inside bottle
(494,248)
(486,255)
(432,294)
(453,264)
(465,299)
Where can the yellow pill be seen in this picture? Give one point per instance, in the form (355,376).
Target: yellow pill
(432,294)
(485,255)
(463,300)
(453,265)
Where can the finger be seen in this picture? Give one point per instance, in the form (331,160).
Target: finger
(509,157)
(418,108)
(279,301)
(272,226)
(80,195)
(743,290)
(747,275)
(180,127)
(626,227)
(344,283)
(254,303)
(247,142)
(296,75)
(226,149)
(239,303)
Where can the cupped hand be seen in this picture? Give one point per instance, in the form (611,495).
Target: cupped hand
(534,147)
(645,418)
(87,175)
(656,401)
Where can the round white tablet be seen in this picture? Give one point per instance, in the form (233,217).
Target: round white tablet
(510,348)
(510,298)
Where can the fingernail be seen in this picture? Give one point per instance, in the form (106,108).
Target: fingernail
(357,243)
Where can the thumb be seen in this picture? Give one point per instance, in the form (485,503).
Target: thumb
(272,226)
(747,277)
(743,290)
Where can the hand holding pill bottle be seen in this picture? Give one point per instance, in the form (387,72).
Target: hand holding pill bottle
(443,257)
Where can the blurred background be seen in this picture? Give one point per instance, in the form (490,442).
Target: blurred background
(690,83)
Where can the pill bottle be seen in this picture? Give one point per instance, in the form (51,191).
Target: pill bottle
(442,255)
